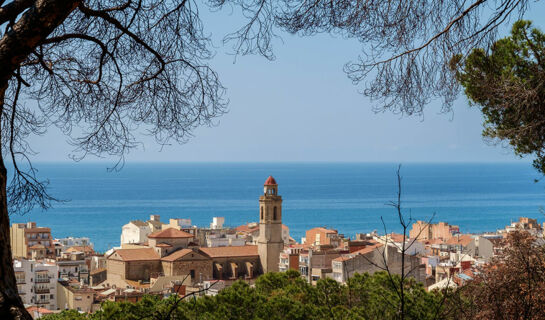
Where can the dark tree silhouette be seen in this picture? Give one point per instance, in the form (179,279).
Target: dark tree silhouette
(506,83)
(102,70)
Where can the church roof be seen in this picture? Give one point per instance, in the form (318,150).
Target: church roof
(143,254)
(235,251)
(180,254)
(169,234)
(270,181)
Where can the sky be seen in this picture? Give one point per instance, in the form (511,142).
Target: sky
(301,107)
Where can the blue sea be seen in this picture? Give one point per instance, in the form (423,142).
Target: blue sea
(350,197)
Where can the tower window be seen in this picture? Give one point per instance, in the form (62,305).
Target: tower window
(261,213)
(274,213)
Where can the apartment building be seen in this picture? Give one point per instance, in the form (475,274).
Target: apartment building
(74,266)
(322,236)
(37,282)
(31,242)
(75,296)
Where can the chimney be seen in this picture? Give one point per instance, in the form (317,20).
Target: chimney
(30,225)
(154,217)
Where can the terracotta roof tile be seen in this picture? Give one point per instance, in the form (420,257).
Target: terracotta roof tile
(239,251)
(163,245)
(140,254)
(179,254)
(169,234)
(270,181)
(396,237)
(39,310)
(86,249)
(363,251)
(463,239)
(242,228)
(343,258)
(368,249)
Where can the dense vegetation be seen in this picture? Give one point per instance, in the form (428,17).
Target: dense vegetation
(283,296)
(511,286)
(506,82)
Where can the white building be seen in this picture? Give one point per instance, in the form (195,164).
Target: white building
(224,240)
(71,241)
(217,223)
(137,231)
(37,282)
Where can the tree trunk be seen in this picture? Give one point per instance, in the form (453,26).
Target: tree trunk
(11,305)
(15,46)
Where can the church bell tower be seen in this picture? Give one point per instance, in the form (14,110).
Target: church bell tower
(270,243)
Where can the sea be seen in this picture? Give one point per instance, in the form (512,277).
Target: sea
(349,197)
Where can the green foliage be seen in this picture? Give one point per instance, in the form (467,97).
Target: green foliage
(507,82)
(284,296)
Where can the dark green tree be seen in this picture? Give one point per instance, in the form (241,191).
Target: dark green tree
(277,296)
(507,83)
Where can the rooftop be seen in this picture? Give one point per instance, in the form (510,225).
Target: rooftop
(270,181)
(170,233)
(140,254)
(139,223)
(239,251)
(177,255)
(85,249)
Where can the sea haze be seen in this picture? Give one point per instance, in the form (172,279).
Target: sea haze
(348,197)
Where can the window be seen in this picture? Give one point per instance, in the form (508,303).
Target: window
(192,273)
(261,213)
(274,213)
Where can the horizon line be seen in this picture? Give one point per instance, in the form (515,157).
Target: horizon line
(99,161)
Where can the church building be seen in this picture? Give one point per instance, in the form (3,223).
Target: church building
(171,252)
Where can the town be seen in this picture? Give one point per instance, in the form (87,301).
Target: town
(177,258)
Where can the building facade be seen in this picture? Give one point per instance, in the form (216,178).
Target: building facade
(31,242)
(270,243)
(37,282)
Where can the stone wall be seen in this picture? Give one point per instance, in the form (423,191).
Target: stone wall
(141,270)
(202,269)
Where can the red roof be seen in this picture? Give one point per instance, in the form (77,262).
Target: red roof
(222,252)
(270,181)
(38,310)
(180,254)
(170,233)
(141,254)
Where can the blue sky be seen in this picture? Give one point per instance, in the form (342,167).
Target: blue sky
(302,107)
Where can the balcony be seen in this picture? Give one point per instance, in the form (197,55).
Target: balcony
(41,280)
(42,301)
(41,290)
(20,280)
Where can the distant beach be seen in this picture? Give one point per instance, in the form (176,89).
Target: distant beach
(349,197)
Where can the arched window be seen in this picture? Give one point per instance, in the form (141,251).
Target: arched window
(261,213)
(274,213)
